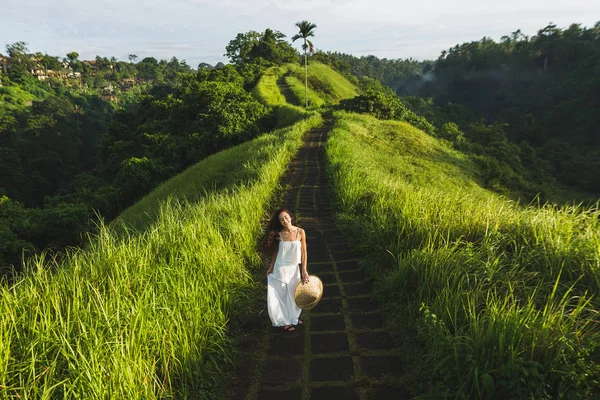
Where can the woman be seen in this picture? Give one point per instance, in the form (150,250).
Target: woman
(287,245)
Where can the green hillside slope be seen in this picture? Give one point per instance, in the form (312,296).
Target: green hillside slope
(490,299)
(325,86)
(144,315)
(224,170)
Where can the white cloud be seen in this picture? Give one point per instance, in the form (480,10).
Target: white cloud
(199,30)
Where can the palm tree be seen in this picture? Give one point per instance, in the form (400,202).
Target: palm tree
(306,30)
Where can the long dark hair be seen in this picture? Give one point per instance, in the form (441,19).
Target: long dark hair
(271,237)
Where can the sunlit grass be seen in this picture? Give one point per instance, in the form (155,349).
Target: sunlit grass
(214,173)
(327,84)
(503,296)
(144,314)
(325,87)
(297,88)
(267,92)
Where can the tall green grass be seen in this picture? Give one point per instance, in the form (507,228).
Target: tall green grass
(267,92)
(327,85)
(298,90)
(503,297)
(214,173)
(143,315)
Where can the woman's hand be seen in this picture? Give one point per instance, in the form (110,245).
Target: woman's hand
(270,271)
(305,277)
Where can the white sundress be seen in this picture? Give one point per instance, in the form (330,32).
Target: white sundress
(281,284)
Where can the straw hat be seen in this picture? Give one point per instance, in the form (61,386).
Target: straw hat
(308,295)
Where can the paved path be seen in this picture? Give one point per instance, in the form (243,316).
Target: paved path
(285,90)
(342,352)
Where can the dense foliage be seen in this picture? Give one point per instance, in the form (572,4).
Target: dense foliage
(76,146)
(269,46)
(389,72)
(544,89)
(512,169)
(171,129)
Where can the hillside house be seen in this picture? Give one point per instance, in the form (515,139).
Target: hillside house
(39,73)
(108,88)
(92,65)
(127,83)
(33,57)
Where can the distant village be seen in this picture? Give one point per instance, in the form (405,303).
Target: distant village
(66,73)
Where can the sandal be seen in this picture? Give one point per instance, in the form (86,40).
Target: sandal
(299,322)
(288,328)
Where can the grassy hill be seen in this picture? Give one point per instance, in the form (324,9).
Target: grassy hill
(216,173)
(143,314)
(325,86)
(143,311)
(490,298)
(228,168)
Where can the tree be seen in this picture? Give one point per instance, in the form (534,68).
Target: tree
(19,63)
(273,48)
(133,57)
(254,47)
(306,31)
(204,65)
(73,56)
(50,62)
(239,48)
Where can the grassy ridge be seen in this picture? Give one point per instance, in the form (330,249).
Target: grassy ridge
(267,92)
(144,316)
(502,298)
(216,172)
(325,86)
(297,89)
(325,83)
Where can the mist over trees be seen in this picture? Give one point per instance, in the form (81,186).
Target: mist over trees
(545,89)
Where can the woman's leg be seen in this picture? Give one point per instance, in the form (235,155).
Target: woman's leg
(276,301)
(293,311)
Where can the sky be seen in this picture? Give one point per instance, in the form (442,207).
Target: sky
(198,30)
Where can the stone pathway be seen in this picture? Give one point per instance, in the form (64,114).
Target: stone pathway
(342,351)
(285,90)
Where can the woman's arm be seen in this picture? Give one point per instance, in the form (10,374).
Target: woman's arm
(304,255)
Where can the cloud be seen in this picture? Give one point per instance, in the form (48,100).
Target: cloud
(199,30)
